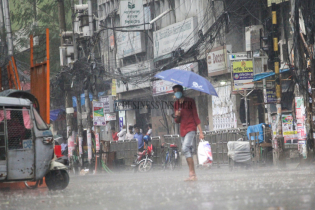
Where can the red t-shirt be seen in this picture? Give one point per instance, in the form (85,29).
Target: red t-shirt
(189,116)
(115,137)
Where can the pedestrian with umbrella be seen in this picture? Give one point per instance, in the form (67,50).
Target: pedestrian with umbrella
(185,109)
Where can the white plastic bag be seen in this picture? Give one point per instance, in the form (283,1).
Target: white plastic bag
(204,153)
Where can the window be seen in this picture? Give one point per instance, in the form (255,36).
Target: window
(41,125)
(19,129)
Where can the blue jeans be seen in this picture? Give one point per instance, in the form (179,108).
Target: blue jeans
(187,143)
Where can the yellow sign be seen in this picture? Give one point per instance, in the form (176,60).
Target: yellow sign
(275,44)
(242,66)
(274,17)
(286,133)
(113,87)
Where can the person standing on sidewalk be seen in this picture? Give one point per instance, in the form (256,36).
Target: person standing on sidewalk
(122,134)
(149,130)
(130,135)
(139,137)
(186,114)
(114,134)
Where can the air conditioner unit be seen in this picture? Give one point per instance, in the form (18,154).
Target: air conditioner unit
(86,31)
(63,56)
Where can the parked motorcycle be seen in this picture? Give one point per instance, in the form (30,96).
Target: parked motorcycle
(143,162)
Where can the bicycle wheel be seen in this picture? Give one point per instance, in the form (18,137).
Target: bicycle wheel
(172,162)
(166,163)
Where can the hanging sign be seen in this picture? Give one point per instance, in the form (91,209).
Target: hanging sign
(243,75)
(89,143)
(97,141)
(98,114)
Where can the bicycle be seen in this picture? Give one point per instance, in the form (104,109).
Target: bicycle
(171,157)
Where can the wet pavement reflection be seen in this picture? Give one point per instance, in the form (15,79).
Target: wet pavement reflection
(263,188)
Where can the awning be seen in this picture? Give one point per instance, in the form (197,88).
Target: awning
(74,99)
(55,113)
(264,75)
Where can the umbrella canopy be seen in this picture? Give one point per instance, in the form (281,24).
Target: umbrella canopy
(188,79)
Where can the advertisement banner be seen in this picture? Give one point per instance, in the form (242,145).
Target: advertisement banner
(70,146)
(181,34)
(288,127)
(271,96)
(98,114)
(131,14)
(112,42)
(129,43)
(110,117)
(222,109)
(113,87)
(243,75)
(89,143)
(97,142)
(135,70)
(217,59)
(238,56)
(121,123)
(80,145)
(108,103)
(300,117)
(70,141)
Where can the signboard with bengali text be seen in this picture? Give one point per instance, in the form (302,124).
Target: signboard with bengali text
(243,75)
(98,114)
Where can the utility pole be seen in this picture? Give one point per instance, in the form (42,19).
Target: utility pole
(87,87)
(68,98)
(279,146)
(300,64)
(79,87)
(35,12)
(74,38)
(2,36)
(62,19)
(8,27)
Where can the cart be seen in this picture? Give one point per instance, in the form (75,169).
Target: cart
(239,154)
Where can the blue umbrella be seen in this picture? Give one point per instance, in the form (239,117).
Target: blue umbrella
(188,79)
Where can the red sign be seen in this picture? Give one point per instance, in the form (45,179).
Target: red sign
(97,141)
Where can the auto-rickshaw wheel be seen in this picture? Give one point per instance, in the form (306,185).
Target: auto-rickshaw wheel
(31,185)
(57,180)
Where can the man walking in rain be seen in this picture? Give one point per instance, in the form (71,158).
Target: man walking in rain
(186,114)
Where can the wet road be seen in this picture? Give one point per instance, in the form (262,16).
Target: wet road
(264,188)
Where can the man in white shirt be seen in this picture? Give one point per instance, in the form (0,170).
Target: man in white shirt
(130,134)
(149,130)
(122,134)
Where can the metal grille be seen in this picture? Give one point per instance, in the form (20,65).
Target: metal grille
(2,137)
(113,146)
(156,142)
(19,127)
(126,146)
(133,148)
(125,150)
(105,148)
(120,150)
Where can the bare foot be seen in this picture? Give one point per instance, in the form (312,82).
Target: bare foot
(191,178)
